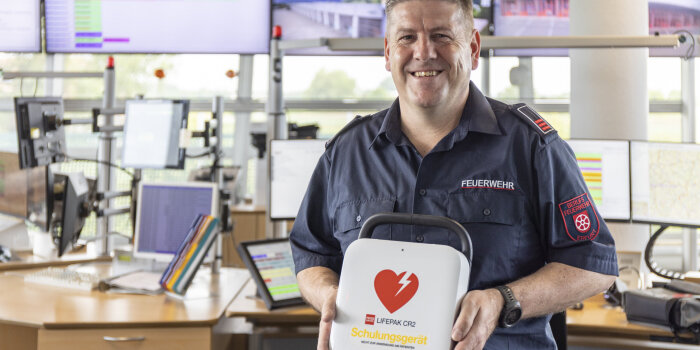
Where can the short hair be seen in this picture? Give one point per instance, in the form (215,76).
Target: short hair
(465,5)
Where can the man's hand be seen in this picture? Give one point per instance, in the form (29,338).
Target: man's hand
(477,319)
(327,316)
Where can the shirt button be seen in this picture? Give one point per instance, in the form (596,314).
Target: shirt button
(422,192)
(419,238)
(487,212)
(358,218)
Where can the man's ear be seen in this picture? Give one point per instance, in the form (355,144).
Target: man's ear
(475,46)
(387,63)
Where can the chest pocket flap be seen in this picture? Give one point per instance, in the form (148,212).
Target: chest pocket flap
(351,215)
(486,207)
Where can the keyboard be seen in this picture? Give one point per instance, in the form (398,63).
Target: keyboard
(59,277)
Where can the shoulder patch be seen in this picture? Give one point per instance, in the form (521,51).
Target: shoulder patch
(533,119)
(354,122)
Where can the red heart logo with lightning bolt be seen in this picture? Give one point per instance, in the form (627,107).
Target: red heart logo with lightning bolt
(393,290)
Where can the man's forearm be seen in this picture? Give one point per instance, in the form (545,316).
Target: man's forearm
(557,286)
(315,284)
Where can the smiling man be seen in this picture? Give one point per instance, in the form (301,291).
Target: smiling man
(445,149)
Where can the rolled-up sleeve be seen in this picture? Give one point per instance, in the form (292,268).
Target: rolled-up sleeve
(572,228)
(312,238)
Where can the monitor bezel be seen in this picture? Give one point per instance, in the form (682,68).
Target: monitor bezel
(166,257)
(264,293)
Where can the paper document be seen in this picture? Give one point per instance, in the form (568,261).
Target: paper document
(139,282)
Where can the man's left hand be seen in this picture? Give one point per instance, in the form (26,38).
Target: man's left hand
(477,319)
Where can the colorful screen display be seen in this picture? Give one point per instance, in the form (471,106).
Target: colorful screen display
(158,26)
(605,166)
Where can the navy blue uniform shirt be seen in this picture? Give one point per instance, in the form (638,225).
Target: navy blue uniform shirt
(503,173)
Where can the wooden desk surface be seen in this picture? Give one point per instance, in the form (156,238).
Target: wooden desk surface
(254,310)
(37,305)
(596,318)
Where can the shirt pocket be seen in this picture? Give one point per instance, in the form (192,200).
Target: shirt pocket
(493,220)
(350,216)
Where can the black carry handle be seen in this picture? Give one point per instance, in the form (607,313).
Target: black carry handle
(419,219)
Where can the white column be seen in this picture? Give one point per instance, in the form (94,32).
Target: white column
(609,97)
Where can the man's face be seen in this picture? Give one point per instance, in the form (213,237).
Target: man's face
(430,50)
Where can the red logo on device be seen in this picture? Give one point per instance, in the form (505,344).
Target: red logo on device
(393,290)
(369,319)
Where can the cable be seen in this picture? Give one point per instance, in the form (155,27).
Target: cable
(36,86)
(98,162)
(691,48)
(198,155)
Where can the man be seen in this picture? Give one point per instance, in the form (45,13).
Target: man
(444,149)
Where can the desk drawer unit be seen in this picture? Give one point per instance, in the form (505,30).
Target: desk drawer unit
(125,338)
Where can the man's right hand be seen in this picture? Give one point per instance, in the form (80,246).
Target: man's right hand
(319,287)
(327,316)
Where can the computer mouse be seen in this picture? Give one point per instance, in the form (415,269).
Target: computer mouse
(5,254)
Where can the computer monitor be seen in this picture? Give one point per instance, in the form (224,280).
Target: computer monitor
(551,18)
(25,193)
(158,26)
(605,166)
(20,26)
(155,126)
(667,17)
(74,208)
(304,19)
(665,183)
(292,162)
(164,213)
(40,135)
(272,267)
(531,18)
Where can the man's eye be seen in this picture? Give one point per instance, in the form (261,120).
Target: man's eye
(406,38)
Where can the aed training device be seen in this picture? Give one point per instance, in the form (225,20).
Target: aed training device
(400,294)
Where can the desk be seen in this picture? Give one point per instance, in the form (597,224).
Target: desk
(298,321)
(42,317)
(30,261)
(593,326)
(597,325)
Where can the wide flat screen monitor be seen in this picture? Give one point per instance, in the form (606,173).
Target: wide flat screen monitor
(605,166)
(272,267)
(25,193)
(165,212)
(313,19)
(292,162)
(666,183)
(20,26)
(551,18)
(155,126)
(158,26)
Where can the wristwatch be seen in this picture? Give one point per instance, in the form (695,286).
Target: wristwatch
(511,313)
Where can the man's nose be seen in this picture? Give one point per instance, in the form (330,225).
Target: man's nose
(424,48)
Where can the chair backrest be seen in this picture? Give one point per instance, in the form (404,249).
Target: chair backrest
(558,324)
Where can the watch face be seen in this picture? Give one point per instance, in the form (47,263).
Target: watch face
(513,316)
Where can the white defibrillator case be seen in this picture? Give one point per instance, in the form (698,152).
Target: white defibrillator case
(400,294)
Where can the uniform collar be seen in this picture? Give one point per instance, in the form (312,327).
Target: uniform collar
(477,116)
